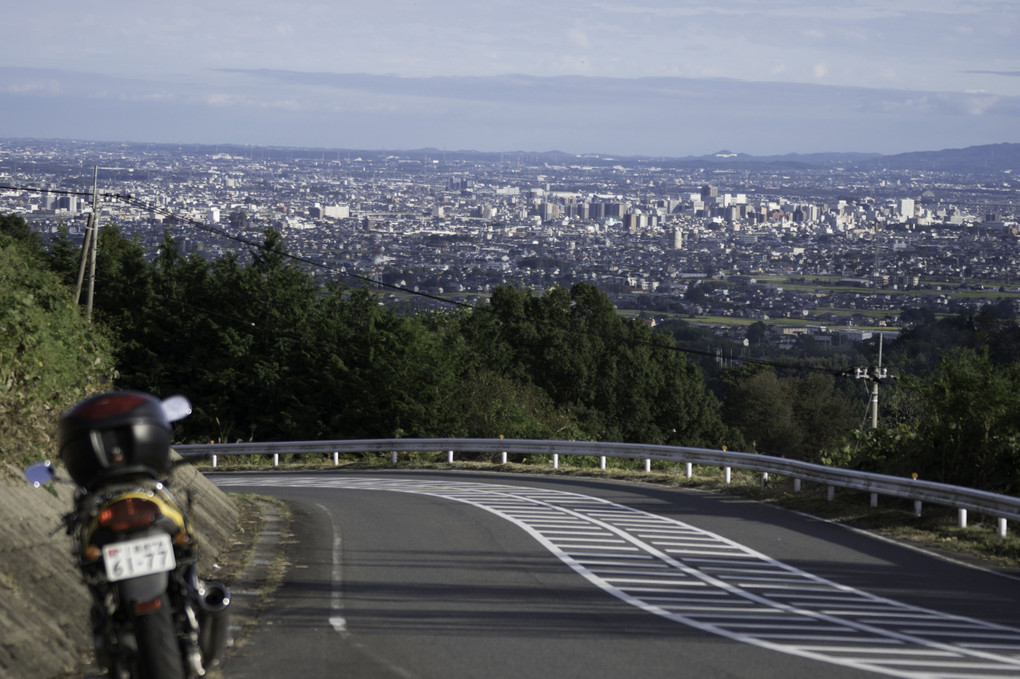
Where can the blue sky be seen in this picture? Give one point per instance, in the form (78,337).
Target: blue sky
(650,77)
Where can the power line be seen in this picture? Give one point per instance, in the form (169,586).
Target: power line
(142,205)
(370,281)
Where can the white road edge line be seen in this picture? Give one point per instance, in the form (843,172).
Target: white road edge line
(336,601)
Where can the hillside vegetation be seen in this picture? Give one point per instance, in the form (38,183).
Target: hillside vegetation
(49,357)
(265,352)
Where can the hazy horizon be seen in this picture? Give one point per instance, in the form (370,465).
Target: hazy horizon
(424,149)
(605,77)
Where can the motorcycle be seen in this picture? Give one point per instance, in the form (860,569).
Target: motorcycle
(152,617)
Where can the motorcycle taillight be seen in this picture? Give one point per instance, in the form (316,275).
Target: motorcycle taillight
(128,514)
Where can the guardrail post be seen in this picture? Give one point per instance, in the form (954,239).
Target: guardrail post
(961,517)
(648,464)
(503,457)
(602,462)
(830,494)
(917,508)
(449,456)
(1005,508)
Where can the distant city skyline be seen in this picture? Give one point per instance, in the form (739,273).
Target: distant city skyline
(611,77)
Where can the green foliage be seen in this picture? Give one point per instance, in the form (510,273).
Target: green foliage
(966,429)
(16,228)
(63,256)
(266,353)
(49,357)
(761,406)
(617,380)
(992,329)
(803,417)
(757,333)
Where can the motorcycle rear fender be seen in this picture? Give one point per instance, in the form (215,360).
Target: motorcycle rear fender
(158,495)
(145,588)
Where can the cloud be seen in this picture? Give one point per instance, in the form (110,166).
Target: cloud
(44,86)
(977,106)
(577,64)
(1009,74)
(582,114)
(220,99)
(820,70)
(227,100)
(578,37)
(151,96)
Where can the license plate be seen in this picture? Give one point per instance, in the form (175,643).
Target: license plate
(135,558)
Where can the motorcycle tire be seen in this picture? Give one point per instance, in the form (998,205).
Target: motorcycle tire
(159,654)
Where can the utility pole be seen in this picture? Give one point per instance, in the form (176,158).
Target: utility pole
(85,245)
(95,243)
(876,375)
(90,246)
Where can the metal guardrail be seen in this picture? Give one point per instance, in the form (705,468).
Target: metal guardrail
(1003,507)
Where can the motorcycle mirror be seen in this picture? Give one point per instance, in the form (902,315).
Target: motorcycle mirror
(176,407)
(40,474)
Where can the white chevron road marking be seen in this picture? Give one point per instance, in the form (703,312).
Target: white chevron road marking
(697,578)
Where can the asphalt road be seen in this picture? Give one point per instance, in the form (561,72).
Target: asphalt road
(455,574)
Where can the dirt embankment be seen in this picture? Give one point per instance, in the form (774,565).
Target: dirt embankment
(44,628)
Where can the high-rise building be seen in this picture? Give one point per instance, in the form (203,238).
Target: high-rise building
(550,211)
(906,207)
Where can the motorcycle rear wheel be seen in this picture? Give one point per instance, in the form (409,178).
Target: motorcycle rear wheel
(159,654)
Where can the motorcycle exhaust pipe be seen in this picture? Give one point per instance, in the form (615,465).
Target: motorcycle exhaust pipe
(213,621)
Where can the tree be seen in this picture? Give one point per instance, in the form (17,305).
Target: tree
(697,293)
(16,228)
(64,256)
(757,333)
(616,379)
(123,282)
(802,416)
(825,414)
(917,316)
(761,406)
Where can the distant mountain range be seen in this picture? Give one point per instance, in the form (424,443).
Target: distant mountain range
(994,158)
(987,158)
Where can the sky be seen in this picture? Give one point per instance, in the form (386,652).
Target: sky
(612,77)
